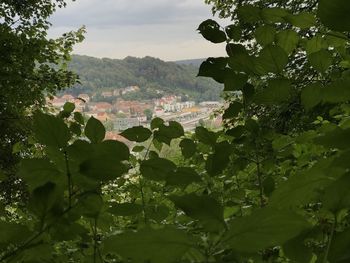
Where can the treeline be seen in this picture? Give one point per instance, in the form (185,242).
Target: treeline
(149,73)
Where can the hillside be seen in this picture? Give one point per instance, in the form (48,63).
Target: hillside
(193,62)
(150,74)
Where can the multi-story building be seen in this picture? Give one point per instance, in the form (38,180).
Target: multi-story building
(121,124)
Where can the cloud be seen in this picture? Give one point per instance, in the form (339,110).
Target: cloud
(119,28)
(109,13)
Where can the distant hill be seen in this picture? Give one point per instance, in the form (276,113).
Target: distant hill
(150,74)
(194,62)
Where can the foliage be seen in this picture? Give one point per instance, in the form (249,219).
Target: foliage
(150,74)
(271,186)
(27,74)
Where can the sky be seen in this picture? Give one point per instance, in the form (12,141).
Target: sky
(165,29)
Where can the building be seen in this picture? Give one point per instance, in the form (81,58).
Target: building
(84,97)
(101,107)
(107,94)
(158,111)
(178,106)
(121,124)
(211,104)
(142,118)
(68,97)
(130,89)
(102,116)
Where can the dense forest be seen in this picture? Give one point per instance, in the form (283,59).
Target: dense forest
(271,186)
(150,74)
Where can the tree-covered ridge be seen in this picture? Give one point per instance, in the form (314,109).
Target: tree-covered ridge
(150,74)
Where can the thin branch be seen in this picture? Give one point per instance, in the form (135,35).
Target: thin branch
(69,178)
(330,239)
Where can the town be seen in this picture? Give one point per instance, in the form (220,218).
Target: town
(118,114)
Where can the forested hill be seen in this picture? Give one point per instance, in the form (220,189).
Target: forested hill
(149,73)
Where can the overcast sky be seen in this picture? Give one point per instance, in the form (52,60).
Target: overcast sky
(118,28)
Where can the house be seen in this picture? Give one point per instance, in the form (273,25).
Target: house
(84,97)
(158,111)
(107,94)
(134,108)
(142,118)
(211,104)
(121,124)
(102,116)
(68,97)
(130,89)
(101,107)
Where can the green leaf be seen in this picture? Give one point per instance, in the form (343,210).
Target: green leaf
(272,59)
(274,14)
(167,133)
(214,68)
(205,136)
(296,250)
(164,245)
(95,130)
(102,168)
(233,110)
(335,138)
(69,107)
(157,212)
(38,172)
(268,185)
(337,91)
(265,35)
(234,32)
(248,13)
(37,253)
(239,60)
(320,60)
(156,123)
(90,205)
(138,148)
(302,20)
(188,147)
(113,150)
(315,44)
(288,40)
(339,250)
(203,208)
(157,169)
(78,117)
(311,95)
(304,187)
(75,128)
(12,233)
(248,93)
(264,228)
(219,160)
(235,81)
(337,195)
(50,130)
(278,91)
(125,209)
(334,14)
(211,31)
(2,176)
(182,177)
(43,199)
(137,134)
